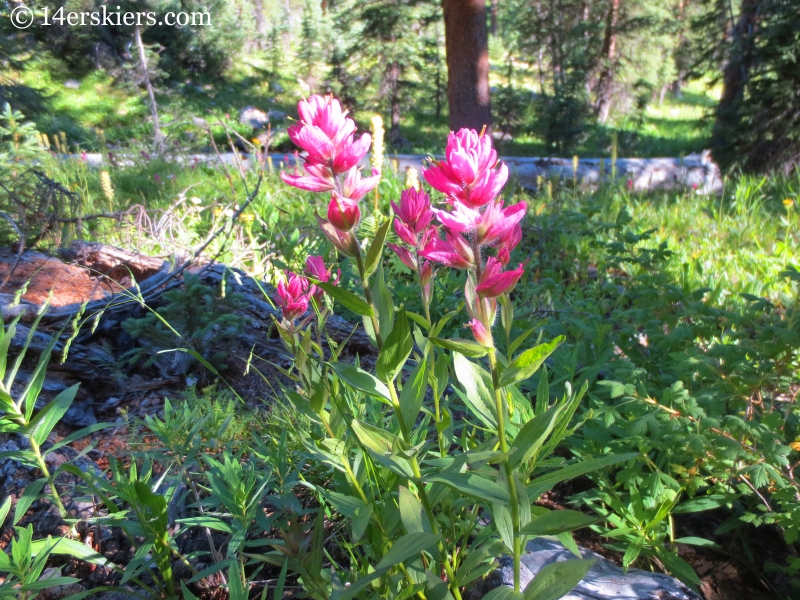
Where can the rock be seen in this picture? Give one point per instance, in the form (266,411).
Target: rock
(72,84)
(276,87)
(604,581)
(80,414)
(276,115)
(501,136)
(257,119)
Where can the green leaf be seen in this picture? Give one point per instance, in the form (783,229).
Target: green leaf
(384,303)
(680,569)
(413,393)
(477,395)
(527,363)
(407,546)
(205,521)
(473,485)
(696,541)
(382,445)
(557,579)
(503,593)
(545,482)
(376,248)
(74,548)
(632,552)
(361,380)
(47,418)
(542,392)
(702,503)
(521,338)
(28,497)
(466,347)
(558,521)
(49,582)
(504,524)
(347,299)
(412,512)
(532,435)
(396,348)
(4,508)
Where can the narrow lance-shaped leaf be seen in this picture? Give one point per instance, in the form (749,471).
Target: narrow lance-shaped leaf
(527,363)
(376,248)
(347,299)
(396,349)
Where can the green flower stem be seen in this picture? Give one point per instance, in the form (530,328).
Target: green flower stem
(47,475)
(509,473)
(423,496)
(367,292)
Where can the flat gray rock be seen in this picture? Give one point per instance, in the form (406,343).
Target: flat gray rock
(604,581)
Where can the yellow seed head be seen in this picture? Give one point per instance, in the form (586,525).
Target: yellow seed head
(788,202)
(105,183)
(412,178)
(574,165)
(377,142)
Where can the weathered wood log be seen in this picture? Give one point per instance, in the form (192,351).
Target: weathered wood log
(696,172)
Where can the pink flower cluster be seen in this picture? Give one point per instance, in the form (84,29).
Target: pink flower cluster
(331,165)
(295,293)
(471,177)
(413,226)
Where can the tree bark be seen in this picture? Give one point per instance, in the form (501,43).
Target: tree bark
(735,72)
(467,49)
(261,23)
(605,84)
(394,92)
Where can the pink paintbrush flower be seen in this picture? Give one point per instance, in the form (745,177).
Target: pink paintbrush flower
(404,255)
(317,178)
(497,221)
(470,173)
(482,335)
(327,134)
(414,210)
(342,240)
(453,251)
(316,269)
(461,218)
(292,296)
(356,187)
(343,213)
(494,281)
(507,242)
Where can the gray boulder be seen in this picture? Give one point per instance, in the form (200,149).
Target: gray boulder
(604,581)
(255,118)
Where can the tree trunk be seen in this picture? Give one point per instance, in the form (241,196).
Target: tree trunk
(605,84)
(467,64)
(158,137)
(261,23)
(735,72)
(394,92)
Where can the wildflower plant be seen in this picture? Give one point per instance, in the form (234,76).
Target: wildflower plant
(431,498)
